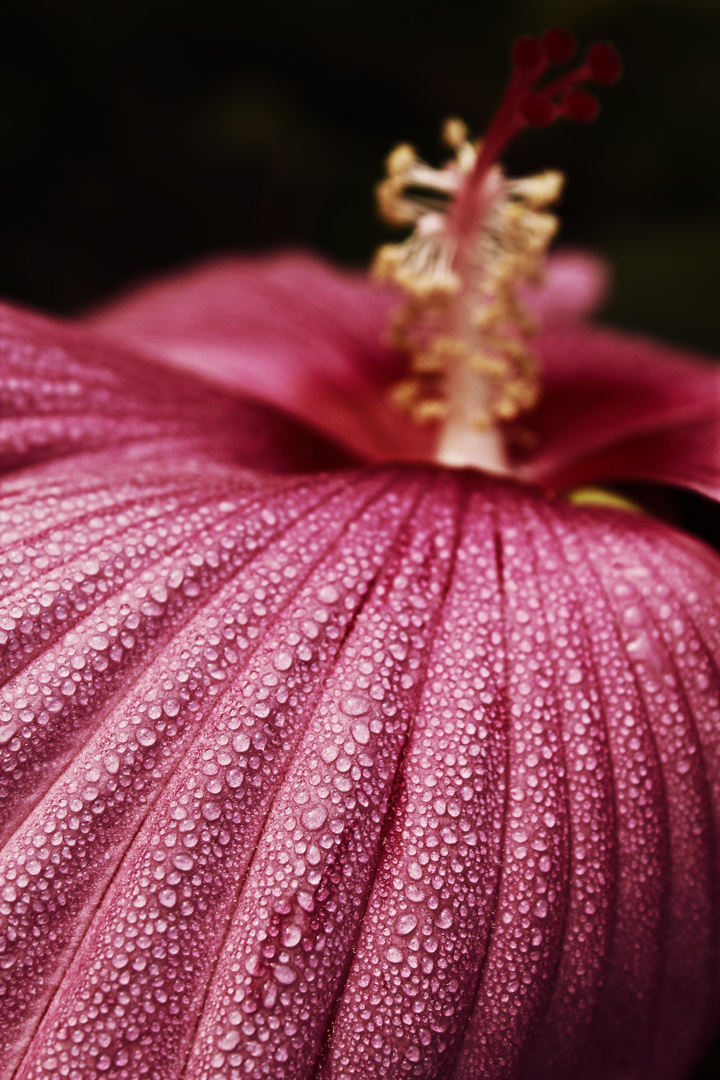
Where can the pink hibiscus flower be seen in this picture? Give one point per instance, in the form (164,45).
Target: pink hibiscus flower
(320,759)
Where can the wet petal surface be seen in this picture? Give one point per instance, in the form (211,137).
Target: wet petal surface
(403,762)
(295,332)
(396,772)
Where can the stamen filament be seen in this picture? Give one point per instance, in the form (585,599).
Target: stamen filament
(477,236)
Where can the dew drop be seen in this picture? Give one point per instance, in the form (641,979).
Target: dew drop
(229,1041)
(183,862)
(314,817)
(355,706)
(111,762)
(361,733)
(291,936)
(406,924)
(253,964)
(211,810)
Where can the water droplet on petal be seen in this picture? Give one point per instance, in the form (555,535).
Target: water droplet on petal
(314,817)
(229,1041)
(355,706)
(361,733)
(291,936)
(282,660)
(183,862)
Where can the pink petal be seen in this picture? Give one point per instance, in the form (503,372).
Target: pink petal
(292,331)
(389,772)
(295,332)
(64,391)
(395,772)
(286,329)
(617,406)
(575,286)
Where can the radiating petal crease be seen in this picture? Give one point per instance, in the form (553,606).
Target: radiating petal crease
(401,761)
(334,775)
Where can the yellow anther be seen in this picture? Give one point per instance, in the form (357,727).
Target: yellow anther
(454,133)
(487,318)
(506,409)
(449,346)
(600,497)
(488,365)
(464,311)
(400,160)
(405,393)
(429,363)
(539,190)
(429,410)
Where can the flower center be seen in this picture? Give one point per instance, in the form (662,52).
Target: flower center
(477,237)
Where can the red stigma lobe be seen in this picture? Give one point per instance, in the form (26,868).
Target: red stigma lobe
(527,103)
(580,105)
(558,45)
(604,63)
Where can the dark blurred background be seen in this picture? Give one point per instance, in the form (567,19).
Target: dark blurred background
(136,135)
